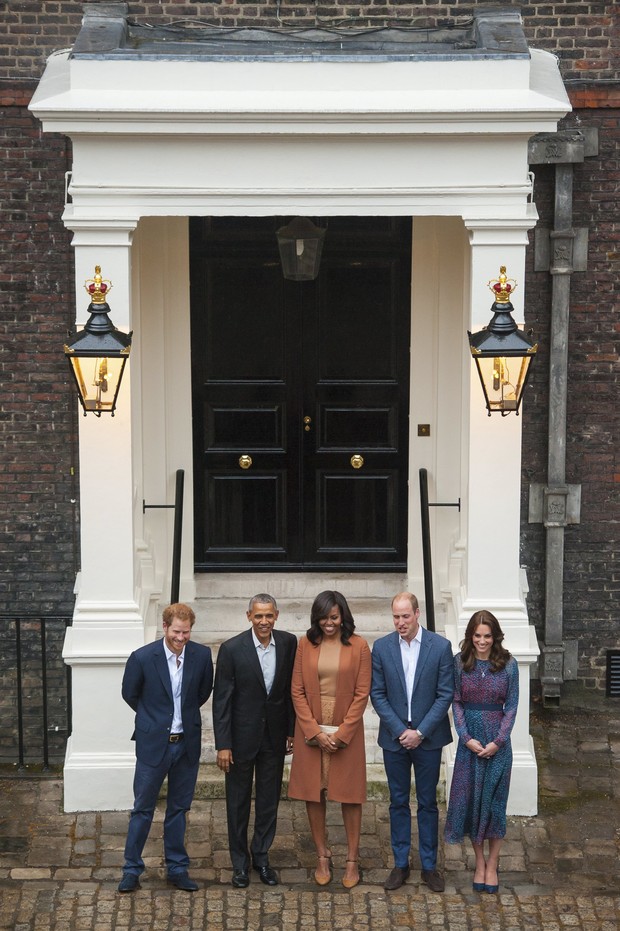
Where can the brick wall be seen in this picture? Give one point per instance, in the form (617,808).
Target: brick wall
(584,35)
(37,408)
(38,530)
(592,572)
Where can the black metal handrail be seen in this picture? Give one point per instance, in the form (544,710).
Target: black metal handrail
(177,532)
(30,636)
(429,597)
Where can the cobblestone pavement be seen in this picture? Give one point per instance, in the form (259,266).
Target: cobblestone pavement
(559,870)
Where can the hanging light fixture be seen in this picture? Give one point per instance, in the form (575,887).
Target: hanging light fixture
(502,352)
(98,353)
(301,245)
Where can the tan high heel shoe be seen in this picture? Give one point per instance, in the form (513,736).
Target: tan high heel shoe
(351,883)
(323,873)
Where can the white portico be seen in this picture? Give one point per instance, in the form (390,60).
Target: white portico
(158,136)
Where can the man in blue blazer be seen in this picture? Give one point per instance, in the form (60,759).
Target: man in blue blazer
(165,683)
(412,690)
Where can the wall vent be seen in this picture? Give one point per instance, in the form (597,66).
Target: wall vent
(613,673)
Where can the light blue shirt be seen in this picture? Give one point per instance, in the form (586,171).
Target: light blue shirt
(175,668)
(409,653)
(267,659)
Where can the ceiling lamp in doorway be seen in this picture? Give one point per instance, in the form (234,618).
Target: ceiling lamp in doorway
(301,244)
(502,352)
(98,353)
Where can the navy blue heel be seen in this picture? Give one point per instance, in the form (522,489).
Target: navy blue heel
(479,887)
(492,890)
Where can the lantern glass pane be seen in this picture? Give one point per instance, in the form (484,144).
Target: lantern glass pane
(503,378)
(98,379)
(300,258)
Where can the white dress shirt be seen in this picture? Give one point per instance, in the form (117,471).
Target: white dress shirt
(267,659)
(175,668)
(409,653)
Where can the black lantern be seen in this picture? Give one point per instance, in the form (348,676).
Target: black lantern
(98,353)
(502,352)
(300,244)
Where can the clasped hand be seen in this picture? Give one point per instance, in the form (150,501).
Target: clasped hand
(328,743)
(484,753)
(410,739)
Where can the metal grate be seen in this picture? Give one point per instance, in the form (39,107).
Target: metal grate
(613,673)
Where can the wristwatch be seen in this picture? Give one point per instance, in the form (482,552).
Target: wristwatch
(420,734)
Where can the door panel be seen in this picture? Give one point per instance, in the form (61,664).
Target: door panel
(246,512)
(300,377)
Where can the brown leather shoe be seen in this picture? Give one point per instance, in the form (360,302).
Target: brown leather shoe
(397,877)
(434,880)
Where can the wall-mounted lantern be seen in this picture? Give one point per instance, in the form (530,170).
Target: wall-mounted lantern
(502,352)
(301,244)
(98,353)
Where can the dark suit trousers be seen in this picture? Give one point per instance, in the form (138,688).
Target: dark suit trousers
(266,768)
(147,782)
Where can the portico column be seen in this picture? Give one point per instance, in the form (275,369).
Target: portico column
(491,573)
(107,622)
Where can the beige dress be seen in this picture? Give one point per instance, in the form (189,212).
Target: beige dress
(329,660)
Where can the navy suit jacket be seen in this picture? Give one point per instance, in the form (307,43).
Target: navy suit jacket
(433,690)
(242,710)
(146,688)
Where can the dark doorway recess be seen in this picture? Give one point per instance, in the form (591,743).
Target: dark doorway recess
(300,378)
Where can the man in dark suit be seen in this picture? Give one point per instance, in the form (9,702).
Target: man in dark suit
(412,689)
(165,683)
(253,720)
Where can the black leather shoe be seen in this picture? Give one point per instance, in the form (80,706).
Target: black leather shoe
(240,879)
(397,877)
(434,880)
(267,875)
(182,881)
(129,883)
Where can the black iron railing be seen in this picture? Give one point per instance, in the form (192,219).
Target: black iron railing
(425,504)
(177,533)
(35,691)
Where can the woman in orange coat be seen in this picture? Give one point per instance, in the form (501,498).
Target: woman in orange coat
(331,684)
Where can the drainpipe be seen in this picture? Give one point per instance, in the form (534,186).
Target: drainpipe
(561,252)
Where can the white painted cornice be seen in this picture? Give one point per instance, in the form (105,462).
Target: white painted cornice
(272,98)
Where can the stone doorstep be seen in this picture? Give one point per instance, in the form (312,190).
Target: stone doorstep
(297,585)
(211,784)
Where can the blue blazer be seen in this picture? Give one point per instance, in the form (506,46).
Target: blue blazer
(433,689)
(146,688)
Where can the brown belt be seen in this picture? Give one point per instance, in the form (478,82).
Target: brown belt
(174,738)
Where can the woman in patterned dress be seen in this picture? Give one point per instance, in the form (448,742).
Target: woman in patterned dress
(485,706)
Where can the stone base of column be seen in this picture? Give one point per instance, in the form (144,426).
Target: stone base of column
(100,780)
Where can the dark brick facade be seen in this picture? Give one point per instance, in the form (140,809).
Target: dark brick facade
(592,568)
(38,530)
(37,410)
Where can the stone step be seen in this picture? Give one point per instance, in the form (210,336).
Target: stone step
(210,784)
(217,619)
(292,585)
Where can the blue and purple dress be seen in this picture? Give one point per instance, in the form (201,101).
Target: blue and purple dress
(484,707)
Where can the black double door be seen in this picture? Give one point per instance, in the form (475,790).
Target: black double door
(300,397)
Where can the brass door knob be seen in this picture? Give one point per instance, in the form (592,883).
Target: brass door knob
(245,462)
(307,422)
(357,461)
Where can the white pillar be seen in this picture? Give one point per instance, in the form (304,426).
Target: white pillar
(491,576)
(108,621)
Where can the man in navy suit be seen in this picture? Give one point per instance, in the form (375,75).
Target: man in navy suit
(165,683)
(412,690)
(253,721)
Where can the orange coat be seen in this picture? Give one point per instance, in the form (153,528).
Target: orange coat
(347,767)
